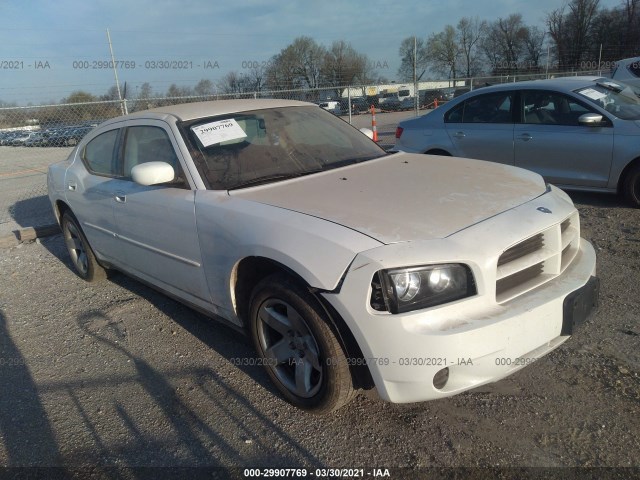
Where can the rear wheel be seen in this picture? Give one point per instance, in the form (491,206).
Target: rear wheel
(82,257)
(299,350)
(631,186)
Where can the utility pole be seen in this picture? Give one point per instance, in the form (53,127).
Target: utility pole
(415,76)
(123,105)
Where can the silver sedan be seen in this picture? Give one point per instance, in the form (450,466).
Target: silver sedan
(580,133)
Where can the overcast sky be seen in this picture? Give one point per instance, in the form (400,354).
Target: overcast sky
(42,41)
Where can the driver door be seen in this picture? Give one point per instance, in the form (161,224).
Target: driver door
(156,223)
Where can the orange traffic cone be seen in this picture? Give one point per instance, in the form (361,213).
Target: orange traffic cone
(373,124)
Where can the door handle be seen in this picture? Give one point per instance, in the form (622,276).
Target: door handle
(525,137)
(121,198)
(459,135)
(72,187)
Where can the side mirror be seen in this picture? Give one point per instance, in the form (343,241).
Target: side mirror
(590,119)
(368,132)
(152,173)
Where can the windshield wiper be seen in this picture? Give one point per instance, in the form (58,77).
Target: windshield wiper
(272,178)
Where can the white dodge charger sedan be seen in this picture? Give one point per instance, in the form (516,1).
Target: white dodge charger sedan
(350,268)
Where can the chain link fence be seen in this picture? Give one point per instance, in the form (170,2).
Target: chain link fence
(31,138)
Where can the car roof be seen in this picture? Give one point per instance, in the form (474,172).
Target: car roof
(624,61)
(563,84)
(192,111)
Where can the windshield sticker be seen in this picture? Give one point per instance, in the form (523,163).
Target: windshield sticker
(593,94)
(216,132)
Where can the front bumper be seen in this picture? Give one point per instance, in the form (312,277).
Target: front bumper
(477,339)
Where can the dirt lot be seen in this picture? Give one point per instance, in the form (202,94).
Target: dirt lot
(116,375)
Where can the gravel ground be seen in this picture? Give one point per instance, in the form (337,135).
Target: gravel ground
(114,375)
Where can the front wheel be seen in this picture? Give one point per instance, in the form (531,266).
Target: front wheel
(298,348)
(631,186)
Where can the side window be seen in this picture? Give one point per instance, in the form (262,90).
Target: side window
(149,144)
(488,108)
(455,114)
(98,154)
(552,108)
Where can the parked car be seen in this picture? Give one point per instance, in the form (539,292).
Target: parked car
(39,139)
(331,106)
(389,101)
(358,105)
(458,92)
(21,139)
(347,266)
(69,136)
(627,71)
(430,97)
(578,133)
(7,137)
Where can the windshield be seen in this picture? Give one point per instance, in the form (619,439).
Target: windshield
(261,146)
(618,98)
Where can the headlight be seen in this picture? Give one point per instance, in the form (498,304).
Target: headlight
(407,289)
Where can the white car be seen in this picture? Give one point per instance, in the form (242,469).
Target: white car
(331,106)
(350,268)
(627,71)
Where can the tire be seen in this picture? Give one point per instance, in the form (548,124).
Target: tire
(298,348)
(84,261)
(631,186)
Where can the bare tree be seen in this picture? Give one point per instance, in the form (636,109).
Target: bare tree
(504,44)
(342,66)
(407,48)
(236,84)
(571,31)
(559,33)
(257,78)
(204,87)
(442,51)
(299,63)
(281,73)
(533,47)
(469,33)
(631,9)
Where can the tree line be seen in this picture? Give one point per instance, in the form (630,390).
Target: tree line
(578,36)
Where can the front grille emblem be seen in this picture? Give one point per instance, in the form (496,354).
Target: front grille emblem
(544,210)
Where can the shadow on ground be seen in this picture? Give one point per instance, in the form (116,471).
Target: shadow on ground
(32,212)
(175,433)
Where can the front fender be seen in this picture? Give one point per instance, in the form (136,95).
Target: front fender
(231,228)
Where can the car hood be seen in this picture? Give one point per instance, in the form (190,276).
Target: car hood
(404,197)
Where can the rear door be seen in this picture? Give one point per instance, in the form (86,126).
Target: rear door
(482,127)
(90,189)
